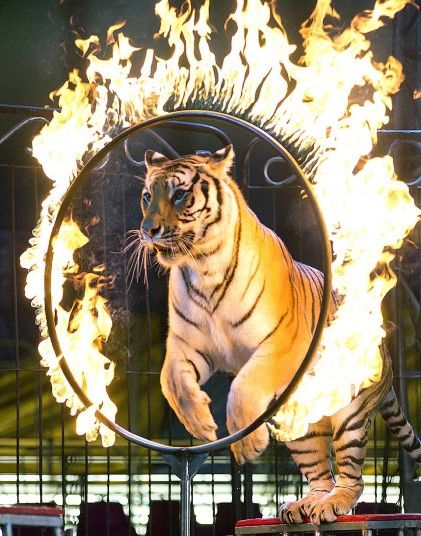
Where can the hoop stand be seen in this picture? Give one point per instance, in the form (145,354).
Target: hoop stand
(185,465)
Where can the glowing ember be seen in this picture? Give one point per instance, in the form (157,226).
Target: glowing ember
(368,212)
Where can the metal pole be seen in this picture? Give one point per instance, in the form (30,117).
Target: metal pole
(33,111)
(185,465)
(185,497)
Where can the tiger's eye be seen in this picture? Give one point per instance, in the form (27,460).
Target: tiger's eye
(179,195)
(146,198)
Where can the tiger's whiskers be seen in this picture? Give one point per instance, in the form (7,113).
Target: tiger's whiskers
(138,258)
(139,252)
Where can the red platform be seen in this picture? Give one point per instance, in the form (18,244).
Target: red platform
(364,523)
(30,516)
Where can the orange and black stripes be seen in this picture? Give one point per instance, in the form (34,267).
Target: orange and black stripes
(237,295)
(400,427)
(219,201)
(248,314)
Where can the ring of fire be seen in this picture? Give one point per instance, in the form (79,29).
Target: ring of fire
(326,255)
(309,105)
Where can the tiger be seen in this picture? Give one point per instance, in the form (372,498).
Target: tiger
(238,302)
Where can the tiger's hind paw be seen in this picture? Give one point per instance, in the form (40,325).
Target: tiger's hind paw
(295,512)
(337,503)
(289,512)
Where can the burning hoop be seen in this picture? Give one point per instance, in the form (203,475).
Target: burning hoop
(328,132)
(51,325)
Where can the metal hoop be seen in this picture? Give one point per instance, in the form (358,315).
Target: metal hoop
(91,164)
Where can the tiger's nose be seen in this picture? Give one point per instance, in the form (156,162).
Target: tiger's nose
(149,230)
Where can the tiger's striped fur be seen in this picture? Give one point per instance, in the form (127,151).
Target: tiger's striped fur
(238,302)
(347,432)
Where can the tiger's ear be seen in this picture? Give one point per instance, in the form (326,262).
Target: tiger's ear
(223,158)
(154,159)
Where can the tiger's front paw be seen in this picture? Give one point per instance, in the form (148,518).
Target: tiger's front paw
(188,401)
(242,409)
(249,448)
(197,418)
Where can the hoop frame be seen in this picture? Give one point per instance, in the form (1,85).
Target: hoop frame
(326,258)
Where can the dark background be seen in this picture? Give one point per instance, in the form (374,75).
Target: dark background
(37,38)
(36,53)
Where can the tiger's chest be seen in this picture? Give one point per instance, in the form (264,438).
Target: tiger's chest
(210,329)
(227,315)
(230,350)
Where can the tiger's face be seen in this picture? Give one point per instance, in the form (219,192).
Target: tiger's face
(180,202)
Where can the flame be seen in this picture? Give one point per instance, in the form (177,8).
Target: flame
(326,110)
(81,332)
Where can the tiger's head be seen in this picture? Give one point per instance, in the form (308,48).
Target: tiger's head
(181,201)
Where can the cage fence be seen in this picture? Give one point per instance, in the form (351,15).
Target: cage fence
(127,488)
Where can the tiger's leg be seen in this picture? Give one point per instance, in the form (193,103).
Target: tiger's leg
(260,379)
(250,394)
(350,436)
(183,371)
(311,453)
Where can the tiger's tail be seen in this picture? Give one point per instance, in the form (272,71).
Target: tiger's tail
(399,426)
